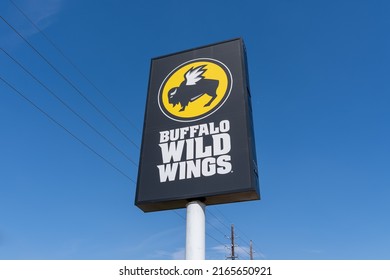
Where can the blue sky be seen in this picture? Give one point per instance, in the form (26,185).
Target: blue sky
(319,75)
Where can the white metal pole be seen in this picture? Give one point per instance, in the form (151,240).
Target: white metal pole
(196,231)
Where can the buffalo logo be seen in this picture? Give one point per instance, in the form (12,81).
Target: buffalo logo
(195,89)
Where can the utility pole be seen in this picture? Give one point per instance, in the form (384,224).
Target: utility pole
(251,250)
(233,255)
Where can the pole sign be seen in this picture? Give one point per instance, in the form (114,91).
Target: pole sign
(198,141)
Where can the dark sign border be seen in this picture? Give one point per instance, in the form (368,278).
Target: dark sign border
(243,185)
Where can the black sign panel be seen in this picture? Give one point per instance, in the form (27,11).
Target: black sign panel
(198,140)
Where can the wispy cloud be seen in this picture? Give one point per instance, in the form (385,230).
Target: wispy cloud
(178,254)
(42,13)
(157,243)
(158,238)
(217,252)
(313,251)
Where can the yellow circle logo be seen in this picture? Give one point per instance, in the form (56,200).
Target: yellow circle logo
(195,89)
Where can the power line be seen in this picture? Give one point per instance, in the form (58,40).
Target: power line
(242,248)
(250,243)
(229,228)
(74,65)
(233,237)
(180,215)
(226,227)
(64,128)
(68,107)
(215,239)
(209,235)
(70,83)
(236,229)
(84,97)
(211,213)
(217,229)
